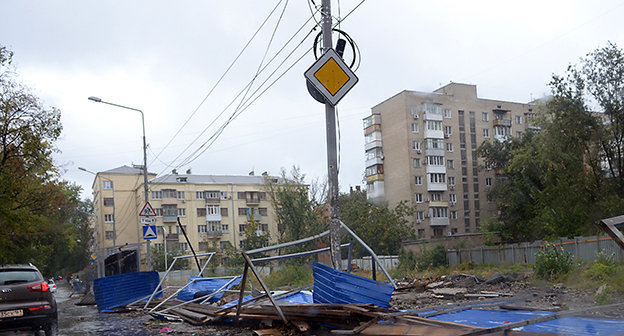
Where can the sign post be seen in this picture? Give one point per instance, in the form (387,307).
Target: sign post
(147,216)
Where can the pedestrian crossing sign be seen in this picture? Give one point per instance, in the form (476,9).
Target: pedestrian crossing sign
(149,232)
(147,210)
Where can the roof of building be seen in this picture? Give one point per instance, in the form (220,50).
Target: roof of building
(127,170)
(210,179)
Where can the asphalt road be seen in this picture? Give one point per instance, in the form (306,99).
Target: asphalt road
(86,320)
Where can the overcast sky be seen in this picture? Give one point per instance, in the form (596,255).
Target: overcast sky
(165,57)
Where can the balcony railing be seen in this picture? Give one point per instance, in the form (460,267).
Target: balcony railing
(172,236)
(252,200)
(502,122)
(170,218)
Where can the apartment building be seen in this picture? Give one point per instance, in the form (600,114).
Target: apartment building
(213,209)
(421,148)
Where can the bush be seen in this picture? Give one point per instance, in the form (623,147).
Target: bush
(602,257)
(598,271)
(433,258)
(552,262)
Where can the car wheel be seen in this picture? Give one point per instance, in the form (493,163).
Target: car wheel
(51,329)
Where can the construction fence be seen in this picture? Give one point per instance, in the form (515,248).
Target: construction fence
(582,248)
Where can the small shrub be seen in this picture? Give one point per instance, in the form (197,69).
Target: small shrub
(602,257)
(604,297)
(433,258)
(598,271)
(552,262)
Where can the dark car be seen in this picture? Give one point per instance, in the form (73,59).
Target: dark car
(26,301)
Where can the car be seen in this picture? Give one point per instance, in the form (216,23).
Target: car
(26,301)
(52,285)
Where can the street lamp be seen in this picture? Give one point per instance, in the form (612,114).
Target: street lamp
(99,100)
(114,214)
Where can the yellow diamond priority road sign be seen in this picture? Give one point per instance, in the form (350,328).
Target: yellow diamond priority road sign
(331,77)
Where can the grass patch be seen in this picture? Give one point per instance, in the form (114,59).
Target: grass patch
(290,276)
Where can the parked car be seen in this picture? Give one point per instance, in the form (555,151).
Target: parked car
(26,301)
(52,285)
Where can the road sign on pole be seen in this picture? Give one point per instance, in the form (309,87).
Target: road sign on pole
(331,76)
(147,210)
(149,232)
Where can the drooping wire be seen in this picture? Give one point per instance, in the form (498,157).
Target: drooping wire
(211,139)
(220,79)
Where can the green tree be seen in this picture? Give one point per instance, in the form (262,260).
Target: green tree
(254,237)
(382,229)
(298,216)
(40,218)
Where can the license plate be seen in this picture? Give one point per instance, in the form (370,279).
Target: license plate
(11,313)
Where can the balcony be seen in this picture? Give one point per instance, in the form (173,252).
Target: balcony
(170,218)
(376,177)
(438,221)
(213,234)
(373,144)
(436,186)
(252,200)
(432,116)
(502,122)
(172,237)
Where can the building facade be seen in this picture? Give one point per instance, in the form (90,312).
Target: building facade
(421,147)
(214,210)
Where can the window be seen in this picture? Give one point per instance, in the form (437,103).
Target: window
(416,163)
(431,108)
(415,128)
(452,198)
(435,160)
(107,185)
(183,246)
(486,132)
(451,180)
(213,226)
(519,120)
(158,212)
(180,195)
(178,230)
(202,228)
(199,195)
(453,215)
(169,194)
(418,180)
(488,181)
(434,125)
(438,212)
(156,195)
(110,234)
(241,195)
(450,164)
(435,143)
(181,212)
(368,138)
(201,212)
(224,211)
(368,121)
(436,197)
(419,198)
(437,178)
(370,154)
(170,210)
(224,195)
(484,116)
(449,146)
(519,134)
(109,202)
(109,218)
(213,210)
(416,145)
(225,228)
(447,130)
(243,211)
(262,211)
(420,215)
(447,113)
(241,228)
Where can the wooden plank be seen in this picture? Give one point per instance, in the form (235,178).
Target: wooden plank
(242,292)
(413,330)
(609,226)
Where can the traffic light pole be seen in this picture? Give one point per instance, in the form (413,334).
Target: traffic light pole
(332,160)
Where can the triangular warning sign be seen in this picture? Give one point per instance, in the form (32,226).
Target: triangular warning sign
(149,233)
(147,210)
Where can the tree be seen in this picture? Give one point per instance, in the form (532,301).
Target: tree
(298,216)
(40,215)
(382,229)
(254,237)
(173,250)
(554,183)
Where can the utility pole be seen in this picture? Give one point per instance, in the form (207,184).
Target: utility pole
(332,157)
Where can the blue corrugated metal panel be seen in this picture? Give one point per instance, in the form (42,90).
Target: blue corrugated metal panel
(581,326)
(205,286)
(119,290)
(333,286)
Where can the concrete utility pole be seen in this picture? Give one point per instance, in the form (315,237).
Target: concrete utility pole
(332,157)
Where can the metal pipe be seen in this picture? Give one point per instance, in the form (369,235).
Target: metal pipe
(300,254)
(288,244)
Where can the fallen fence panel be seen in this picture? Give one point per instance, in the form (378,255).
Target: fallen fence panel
(119,290)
